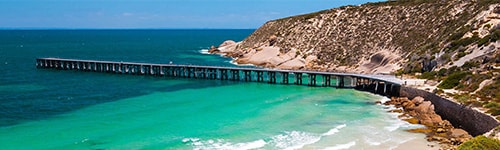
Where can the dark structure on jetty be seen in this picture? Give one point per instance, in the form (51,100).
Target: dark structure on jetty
(379,84)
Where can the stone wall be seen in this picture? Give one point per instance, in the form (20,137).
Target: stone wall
(460,116)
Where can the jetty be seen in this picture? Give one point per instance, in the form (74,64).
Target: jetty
(379,84)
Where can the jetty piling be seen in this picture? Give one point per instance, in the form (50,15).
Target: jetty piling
(382,85)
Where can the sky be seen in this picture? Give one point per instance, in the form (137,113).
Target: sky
(156,14)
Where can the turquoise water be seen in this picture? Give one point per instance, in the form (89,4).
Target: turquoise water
(50,109)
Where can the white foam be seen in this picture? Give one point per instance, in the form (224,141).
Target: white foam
(375,142)
(342,146)
(334,130)
(394,126)
(233,61)
(204,51)
(294,140)
(384,99)
(198,144)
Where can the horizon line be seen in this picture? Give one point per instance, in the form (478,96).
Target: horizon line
(43,28)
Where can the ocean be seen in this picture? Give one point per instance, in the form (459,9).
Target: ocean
(51,109)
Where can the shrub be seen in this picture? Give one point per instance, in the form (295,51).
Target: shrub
(480,142)
(471,82)
(452,80)
(487,26)
(428,75)
(462,98)
(495,35)
(484,41)
(491,91)
(492,105)
(470,64)
(460,55)
(445,57)
(442,72)
(452,69)
(494,111)
(463,42)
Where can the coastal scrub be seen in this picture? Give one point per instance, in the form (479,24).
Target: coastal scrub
(480,142)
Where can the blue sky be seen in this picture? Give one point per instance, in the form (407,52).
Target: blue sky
(76,14)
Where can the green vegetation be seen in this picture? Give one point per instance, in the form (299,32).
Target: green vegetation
(460,55)
(484,41)
(462,43)
(471,82)
(402,2)
(494,108)
(495,35)
(492,37)
(452,80)
(480,143)
(428,75)
(470,64)
(491,92)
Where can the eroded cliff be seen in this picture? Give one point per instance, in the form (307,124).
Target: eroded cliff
(371,38)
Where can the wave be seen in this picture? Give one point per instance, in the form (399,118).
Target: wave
(198,144)
(204,51)
(384,99)
(334,130)
(342,146)
(289,140)
(233,61)
(294,140)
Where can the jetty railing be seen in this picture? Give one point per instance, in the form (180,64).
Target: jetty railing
(379,84)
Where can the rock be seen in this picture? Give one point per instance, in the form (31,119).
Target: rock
(213,49)
(439,139)
(417,100)
(496,10)
(436,119)
(378,102)
(264,56)
(408,105)
(295,63)
(227,42)
(310,60)
(457,133)
(396,111)
(440,130)
(412,120)
(423,108)
(420,130)
(230,47)
(272,40)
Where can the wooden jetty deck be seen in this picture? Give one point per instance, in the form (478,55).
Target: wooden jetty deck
(379,84)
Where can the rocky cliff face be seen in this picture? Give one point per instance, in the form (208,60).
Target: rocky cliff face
(371,38)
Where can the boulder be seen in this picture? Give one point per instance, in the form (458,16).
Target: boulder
(408,105)
(417,100)
(272,40)
(228,46)
(213,49)
(424,108)
(227,42)
(457,133)
(310,59)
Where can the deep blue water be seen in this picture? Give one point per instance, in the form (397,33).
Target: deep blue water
(30,94)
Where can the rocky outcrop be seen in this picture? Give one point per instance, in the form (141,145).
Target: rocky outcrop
(226,47)
(473,121)
(420,111)
(371,38)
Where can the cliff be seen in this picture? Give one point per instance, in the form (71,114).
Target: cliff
(371,38)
